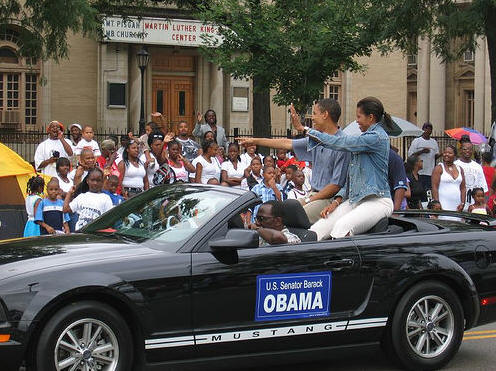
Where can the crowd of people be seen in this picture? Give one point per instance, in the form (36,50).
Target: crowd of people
(346,184)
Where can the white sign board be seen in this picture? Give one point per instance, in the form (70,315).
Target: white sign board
(239,104)
(158,31)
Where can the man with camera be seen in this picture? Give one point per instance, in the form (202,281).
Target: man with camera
(51,149)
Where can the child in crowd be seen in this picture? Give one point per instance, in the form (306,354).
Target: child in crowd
(49,215)
(282,157)
(297,191)
(287,178)
(88,142)
(63,165)
(491,203)
(86,163)
(34,189)
(253,174)
(90,203)
(110,188)
(434,205)
(270,162)
(479,206)
(268,189)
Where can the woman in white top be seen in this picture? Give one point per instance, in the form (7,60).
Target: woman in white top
(155,144)
(132,171)
(250,153)
(232,170)
(207,165)
(63,166)
(448,182)
(181,166)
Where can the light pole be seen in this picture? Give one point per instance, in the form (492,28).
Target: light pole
(142,58)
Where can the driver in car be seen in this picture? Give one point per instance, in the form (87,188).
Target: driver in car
(269,225)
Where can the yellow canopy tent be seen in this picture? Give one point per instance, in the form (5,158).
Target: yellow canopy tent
(14,175)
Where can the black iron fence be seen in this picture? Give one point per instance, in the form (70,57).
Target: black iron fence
(25,143)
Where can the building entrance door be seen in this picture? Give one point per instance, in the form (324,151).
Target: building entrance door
(173,97)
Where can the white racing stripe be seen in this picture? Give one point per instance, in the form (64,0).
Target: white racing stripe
(264,333)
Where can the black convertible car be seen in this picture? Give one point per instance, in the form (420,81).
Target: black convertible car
(171,278)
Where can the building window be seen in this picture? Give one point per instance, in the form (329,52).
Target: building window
(12,91)
(334,92)
(31,99)
(469,107)
(468,56)
(412,60)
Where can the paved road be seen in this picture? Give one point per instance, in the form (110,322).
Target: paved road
(477,352)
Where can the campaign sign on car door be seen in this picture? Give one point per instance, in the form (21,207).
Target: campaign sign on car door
(295,295)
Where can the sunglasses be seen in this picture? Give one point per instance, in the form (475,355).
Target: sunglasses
(261,218)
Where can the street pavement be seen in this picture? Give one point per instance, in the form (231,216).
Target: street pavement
(477,352)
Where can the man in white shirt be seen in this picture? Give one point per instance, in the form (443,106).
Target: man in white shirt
(427,150)
(51,149)
(474,175)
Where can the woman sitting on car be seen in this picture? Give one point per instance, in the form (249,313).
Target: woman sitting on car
(366,197)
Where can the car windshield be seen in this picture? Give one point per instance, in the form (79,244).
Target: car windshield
(168,213)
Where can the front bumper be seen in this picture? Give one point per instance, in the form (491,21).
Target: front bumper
(11,355)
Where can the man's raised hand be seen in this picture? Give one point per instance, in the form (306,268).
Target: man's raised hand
(243,141)
(295,119)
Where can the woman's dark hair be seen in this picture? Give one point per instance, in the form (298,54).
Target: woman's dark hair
(269,156)
(455,151)
(205,135)
(410,163)
(487,157)
(465,139)
(373,106)
(125,153)
(35,184)
(155,135)
(235,145)
(62,161)
(206,144)
(210,110)
(83,187)
(173,143)
(475,190)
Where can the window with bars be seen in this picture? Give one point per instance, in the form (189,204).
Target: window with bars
(469,108)
(334,92)
(30,99)
(12,91)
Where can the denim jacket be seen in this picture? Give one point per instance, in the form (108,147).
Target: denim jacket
(368,169)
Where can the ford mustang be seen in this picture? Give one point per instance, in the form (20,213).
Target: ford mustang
(172,278)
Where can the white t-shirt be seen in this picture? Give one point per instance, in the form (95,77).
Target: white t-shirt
(181,172)
(93,145)
(150,170)
(246,159)
(231,171)
(209,169)
(65,187)
(72,175)
(295,194)
(45,150)
(90,206)
(133,176)
(429,158)
(474,175)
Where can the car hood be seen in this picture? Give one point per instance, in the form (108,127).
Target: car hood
(37,253)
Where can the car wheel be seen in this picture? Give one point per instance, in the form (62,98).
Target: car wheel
(427,327)
(84,336)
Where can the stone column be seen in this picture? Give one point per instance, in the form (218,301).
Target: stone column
(423,77)
(480,84)
(349,105)
(437,93)
(217,92)
(134,89)
(46,94)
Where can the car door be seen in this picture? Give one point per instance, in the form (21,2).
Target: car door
(243,300)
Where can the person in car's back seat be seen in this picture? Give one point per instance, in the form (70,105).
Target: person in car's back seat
(269,225)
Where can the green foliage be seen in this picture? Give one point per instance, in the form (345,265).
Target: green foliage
(292,46)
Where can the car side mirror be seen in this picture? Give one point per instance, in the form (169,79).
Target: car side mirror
(236,239)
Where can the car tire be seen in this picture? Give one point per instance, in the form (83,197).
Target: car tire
(421,339)
(62,341)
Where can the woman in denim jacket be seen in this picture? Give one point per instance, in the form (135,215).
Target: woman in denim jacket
(366,198)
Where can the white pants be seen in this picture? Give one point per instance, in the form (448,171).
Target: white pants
(351,219)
